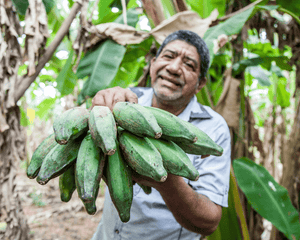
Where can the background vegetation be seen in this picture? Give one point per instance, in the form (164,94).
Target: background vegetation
(56,55)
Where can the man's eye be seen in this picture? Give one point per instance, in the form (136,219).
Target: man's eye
(190,65)
(168,56)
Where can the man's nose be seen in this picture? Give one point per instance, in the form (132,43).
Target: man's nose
(174,67)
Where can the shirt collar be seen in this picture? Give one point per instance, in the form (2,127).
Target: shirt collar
(194,110)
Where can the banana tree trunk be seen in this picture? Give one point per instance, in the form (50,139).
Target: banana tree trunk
(243,140)
(12,142)
(11,152)
(12,219)
(291,160)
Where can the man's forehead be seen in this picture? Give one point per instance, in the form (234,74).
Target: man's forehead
(180,46)
(177,46)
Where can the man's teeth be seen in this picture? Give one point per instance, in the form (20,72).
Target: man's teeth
(177,84)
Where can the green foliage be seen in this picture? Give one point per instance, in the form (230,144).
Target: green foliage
(66,80)
(44,107)
(132,64)
(55,20)
(277,93)
(266,62)
(268,53)
(24,121)
(293,6)
(205,7)
(267,197)
(168,8)
(229,226)
(203,96)
(229,27)
(104,9)
(101,64)
(22,5)
(117,3)
(260,74)
(106,15)
(215,79)
(262,49)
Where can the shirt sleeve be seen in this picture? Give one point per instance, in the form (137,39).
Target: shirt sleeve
(214,171)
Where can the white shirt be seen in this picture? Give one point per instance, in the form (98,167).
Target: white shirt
(150,219)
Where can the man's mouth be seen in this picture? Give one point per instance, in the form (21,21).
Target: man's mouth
(175,82)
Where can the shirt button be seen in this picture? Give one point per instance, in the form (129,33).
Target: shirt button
(117,231)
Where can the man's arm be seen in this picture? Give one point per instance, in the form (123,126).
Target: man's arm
(193,211)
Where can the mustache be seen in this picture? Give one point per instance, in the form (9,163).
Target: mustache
(168,77)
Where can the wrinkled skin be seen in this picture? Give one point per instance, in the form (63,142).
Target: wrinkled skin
(174,76)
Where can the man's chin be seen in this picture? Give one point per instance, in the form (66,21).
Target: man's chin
(167,96)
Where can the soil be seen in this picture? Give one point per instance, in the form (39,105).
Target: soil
(51,219)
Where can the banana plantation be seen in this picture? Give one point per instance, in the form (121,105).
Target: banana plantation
(55,55)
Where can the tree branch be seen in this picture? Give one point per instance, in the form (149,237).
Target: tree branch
(154,10)
(180,5)
(25,81)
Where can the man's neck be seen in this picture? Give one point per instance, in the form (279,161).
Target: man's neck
(174,108)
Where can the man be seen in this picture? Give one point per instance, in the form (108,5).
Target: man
(176,208)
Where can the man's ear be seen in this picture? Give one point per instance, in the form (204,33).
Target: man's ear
(201,84)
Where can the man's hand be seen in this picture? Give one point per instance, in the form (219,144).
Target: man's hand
(109,97)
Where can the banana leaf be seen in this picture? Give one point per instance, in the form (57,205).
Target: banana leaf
(233,222)
(205,7)
(266,62)
(22,5)
(267,197)
(102,63)
(66,79)
(293,6)
(229,27)
(258,73)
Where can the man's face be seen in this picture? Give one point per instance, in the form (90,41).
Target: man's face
(175,72)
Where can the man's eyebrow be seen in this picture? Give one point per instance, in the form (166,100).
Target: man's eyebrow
(187,57)
(174,52)
(193,60)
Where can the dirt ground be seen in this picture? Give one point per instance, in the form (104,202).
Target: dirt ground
(51,219)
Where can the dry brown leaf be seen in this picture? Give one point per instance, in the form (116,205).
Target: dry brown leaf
(228,105)
(3,16)
(3,124)
(220,42)
(3,49)
(36,30)
(122,34)
(187,20)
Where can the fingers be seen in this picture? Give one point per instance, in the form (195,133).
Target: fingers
(98,100)
(137,178)
(109,97)
(131,97)
(118,97)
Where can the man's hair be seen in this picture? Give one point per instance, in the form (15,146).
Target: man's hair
(195,40)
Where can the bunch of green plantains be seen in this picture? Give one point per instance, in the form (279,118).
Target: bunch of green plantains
(90,145)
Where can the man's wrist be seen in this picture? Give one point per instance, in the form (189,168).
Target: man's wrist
(172,183)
